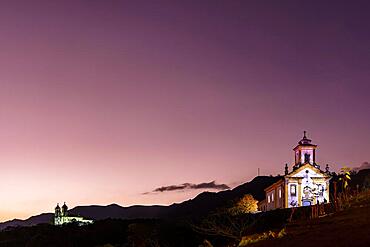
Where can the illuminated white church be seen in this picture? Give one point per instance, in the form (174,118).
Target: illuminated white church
(305,185)
(61,217)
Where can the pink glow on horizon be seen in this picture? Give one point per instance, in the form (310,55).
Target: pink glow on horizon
(101,102)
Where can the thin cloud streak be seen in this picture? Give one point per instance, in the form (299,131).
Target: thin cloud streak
(190,186)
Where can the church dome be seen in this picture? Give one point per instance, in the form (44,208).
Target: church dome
(305,140)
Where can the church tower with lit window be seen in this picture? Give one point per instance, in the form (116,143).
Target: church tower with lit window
(305,153)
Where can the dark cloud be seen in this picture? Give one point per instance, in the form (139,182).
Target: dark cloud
(210,185)
(171,188)
(186,186)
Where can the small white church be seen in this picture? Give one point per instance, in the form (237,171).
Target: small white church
(305,185)
(61,217)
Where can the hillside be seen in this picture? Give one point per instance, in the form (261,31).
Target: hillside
(196,207)
(347,228)
(34,220)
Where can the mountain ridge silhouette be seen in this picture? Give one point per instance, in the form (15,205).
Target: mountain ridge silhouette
(200,205)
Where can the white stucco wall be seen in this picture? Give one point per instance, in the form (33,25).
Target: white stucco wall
(69,219)
(314,187)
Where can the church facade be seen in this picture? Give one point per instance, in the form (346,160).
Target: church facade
(61,217)
(306,184)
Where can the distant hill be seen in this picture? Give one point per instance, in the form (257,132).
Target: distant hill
(34,220)
(198,206)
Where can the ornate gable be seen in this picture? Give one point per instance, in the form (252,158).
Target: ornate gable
(307,168)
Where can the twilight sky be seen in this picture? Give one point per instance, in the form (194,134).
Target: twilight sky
(103,101)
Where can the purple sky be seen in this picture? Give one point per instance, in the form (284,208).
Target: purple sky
(102,101)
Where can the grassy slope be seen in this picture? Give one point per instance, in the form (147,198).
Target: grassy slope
(346,228)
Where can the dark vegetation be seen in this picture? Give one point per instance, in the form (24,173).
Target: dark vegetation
(110,232)
(206,221)
(349,227)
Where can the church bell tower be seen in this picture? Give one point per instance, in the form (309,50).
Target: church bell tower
(305,152)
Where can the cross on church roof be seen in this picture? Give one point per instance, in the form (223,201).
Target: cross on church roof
(305,140)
